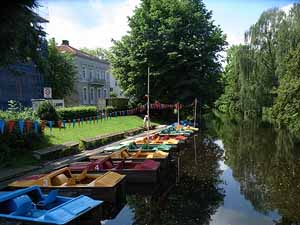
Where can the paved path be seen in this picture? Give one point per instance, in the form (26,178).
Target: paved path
(9,175)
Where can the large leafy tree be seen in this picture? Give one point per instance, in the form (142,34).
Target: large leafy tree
(61,72)
(257,68)
(21,33)
(178,41)
(287,105)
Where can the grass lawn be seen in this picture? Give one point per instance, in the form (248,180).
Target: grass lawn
(115,124)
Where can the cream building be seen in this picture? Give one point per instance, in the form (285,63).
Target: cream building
(93,77)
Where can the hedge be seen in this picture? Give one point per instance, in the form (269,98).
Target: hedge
(77,112)
(118,103)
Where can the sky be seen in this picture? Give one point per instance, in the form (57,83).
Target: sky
(94,23)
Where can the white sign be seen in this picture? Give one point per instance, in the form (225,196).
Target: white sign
(47,92)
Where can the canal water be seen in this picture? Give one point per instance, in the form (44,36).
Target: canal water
(230,174)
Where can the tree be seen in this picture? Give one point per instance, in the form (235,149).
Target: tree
(286,109)
(21,35)
(61,73)
(101,53)
(257,68)
(179,42)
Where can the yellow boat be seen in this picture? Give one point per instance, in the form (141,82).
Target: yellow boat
(156,140)
(188,127)
(109,186)
(140,155)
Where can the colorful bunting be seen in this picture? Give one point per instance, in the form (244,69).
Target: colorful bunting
(21,126)
(11,124)
(36,126)
(50,123)
(43,125)
(59,124)
(2,126)
(27,126)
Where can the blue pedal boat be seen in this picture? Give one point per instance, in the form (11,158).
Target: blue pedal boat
(30,205)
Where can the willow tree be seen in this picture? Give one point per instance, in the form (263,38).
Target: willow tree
(178,40)
(261,63)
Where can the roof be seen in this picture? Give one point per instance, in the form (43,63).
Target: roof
(76,52)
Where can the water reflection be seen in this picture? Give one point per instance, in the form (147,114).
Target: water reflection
(192,199)
(264,166)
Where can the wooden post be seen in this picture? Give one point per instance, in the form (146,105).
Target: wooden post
(195,114)
(148,105)
(178,108)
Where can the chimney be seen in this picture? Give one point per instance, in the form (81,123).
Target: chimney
(65,42)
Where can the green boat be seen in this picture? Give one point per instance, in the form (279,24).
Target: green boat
(172,131)
(131,146)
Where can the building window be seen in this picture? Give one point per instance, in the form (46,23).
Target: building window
(99,92)
(111,89)
(92,94)
(107,75)
(91,74)
(116,83)
(97,74)
(83,72)
(102,75)
(104,93)
(84,94)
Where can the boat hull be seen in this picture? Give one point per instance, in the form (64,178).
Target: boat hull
(134,176)
(107,194)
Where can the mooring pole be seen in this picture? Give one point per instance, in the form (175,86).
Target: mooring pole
(148,105)
(195,114)
(178,108)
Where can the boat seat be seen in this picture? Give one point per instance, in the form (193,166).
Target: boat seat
(59,180)
(125,154)
(120,165)
(138,153)
(22,206)
(81,176)
(51,197)
(107,164)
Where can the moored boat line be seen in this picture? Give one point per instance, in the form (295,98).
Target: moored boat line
(109,175)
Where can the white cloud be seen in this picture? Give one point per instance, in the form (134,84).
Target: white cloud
(108,21)
(235,39)
(287,8)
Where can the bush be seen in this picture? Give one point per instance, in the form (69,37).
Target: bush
(77,112)
(46,111)
(109,109)
(16,111)
(15,143)
(118,103)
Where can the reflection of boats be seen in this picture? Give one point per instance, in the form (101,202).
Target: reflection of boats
(136,172)
(31,206)
(109,186)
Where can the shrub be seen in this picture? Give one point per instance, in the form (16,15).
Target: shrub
(118,103)
(77,112)
(46,111)
(109,109)
(16,111)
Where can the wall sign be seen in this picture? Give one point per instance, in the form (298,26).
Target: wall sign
(47,92)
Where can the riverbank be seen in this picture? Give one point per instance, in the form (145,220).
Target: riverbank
(8,175)
(92,129)
(56,136)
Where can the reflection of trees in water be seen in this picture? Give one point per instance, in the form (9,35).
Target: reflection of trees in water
(194,199)
(267,165)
